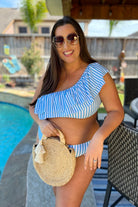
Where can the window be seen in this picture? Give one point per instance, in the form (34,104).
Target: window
(45,30)
(22,29)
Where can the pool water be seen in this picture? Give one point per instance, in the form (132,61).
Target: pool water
(15,123)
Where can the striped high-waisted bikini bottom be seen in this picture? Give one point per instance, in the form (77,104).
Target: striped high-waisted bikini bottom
(80,149)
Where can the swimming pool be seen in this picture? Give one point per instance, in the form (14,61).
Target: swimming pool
(15,123)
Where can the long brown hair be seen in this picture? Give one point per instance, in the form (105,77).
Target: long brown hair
(53,71)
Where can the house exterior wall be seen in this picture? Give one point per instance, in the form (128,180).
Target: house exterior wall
(13,27)
(20,23)
(9,29)
(44,23)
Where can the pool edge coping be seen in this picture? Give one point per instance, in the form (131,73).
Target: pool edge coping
(15,172)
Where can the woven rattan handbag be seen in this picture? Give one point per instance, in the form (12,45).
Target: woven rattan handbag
(53,160)
(123,164)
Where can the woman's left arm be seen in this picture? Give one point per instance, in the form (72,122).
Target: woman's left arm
(115,114)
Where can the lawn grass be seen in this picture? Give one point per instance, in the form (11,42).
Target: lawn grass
(121,96)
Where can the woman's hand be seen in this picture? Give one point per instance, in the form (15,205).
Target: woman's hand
(93,155)
(48,129)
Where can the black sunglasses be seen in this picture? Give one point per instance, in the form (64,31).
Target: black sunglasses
(71,39)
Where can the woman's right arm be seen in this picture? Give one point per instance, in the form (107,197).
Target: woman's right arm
(47,128)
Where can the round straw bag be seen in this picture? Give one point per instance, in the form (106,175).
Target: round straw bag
(53,160)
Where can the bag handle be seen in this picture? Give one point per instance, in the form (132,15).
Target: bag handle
(61,137)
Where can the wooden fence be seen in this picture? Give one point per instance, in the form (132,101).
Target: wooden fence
(105,50)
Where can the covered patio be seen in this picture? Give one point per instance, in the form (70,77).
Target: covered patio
(94,9)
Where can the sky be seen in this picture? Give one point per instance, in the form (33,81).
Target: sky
(9,3)
(98,28)
(122,29)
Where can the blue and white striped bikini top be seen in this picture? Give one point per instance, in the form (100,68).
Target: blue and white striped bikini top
(79,101)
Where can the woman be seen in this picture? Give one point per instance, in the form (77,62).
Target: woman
(68,97)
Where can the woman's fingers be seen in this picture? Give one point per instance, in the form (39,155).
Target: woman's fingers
(48,129)
(99,161)
(93,155)
(53,131)
(49,132)
(95,163)
(88,162)
(92,162)
(85,162)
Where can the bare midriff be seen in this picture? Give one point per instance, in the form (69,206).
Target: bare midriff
(77,131)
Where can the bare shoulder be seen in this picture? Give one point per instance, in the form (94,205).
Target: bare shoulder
(109,83)
(108,78)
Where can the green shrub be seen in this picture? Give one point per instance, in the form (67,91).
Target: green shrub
(6,78)
(120,87)
(2,85)
(32,60)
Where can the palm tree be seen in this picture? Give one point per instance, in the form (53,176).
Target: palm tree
(112,24)
(33,11)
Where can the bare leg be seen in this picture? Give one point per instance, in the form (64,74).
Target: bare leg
(71,194)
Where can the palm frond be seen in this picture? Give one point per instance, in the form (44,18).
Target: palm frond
(112,24)
(40,11)
(33,12)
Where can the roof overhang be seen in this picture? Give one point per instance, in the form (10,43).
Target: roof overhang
(94,9)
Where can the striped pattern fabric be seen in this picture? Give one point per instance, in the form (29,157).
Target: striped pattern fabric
(79,101)
(80,149)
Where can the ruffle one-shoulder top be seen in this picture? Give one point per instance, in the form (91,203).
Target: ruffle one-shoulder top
(79,101)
